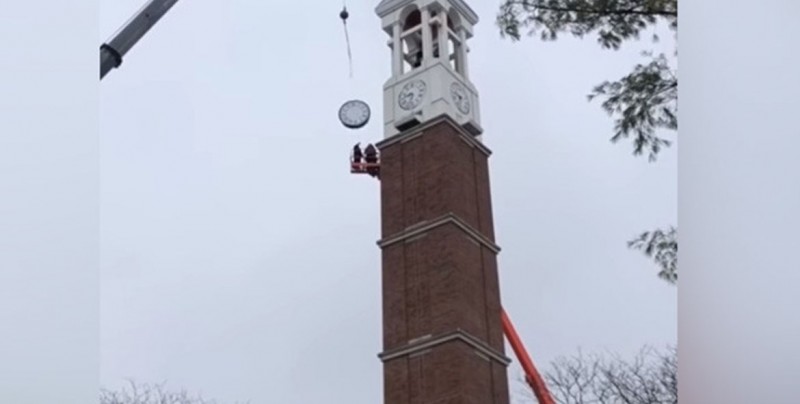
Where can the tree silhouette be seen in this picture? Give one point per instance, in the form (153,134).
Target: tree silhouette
(643,103)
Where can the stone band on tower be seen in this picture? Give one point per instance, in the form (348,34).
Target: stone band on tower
(442,330)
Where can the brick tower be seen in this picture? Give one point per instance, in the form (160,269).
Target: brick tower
(442,331)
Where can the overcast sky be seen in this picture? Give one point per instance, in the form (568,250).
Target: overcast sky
(238,253)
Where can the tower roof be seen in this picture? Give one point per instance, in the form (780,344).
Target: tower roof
(387,6)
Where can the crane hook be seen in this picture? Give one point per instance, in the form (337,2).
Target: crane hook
(344,14)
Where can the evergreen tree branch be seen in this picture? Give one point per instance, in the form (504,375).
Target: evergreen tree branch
(662,247)
(642,102)
(638,10)
(613,20)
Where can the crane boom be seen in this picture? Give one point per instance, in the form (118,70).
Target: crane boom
(111,52)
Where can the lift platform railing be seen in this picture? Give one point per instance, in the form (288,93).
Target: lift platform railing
(362,167)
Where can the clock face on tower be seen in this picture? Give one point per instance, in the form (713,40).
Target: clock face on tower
(460,97)
(411,94)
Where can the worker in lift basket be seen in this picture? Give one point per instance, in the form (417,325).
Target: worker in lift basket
(371,154)
(371,157)
(357,155)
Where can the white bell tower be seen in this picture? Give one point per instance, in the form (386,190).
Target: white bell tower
(430,75)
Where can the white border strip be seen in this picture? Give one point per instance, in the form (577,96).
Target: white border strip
(424,227)
(416,131)
(428,343)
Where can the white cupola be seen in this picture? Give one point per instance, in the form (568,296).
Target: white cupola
(430,74)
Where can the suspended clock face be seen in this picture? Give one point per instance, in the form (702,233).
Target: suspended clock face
(354,114)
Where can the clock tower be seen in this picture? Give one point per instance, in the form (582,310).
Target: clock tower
(442,327)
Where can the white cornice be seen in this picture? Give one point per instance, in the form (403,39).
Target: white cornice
(388,6)
(420,130)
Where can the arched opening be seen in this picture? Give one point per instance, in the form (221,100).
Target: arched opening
(452,19)
(413,19)
(411,39)
(454,45)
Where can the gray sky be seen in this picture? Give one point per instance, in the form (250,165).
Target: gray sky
(238,254)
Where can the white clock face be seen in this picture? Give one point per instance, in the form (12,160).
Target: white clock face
(460,97)
(411,94)
(354,114)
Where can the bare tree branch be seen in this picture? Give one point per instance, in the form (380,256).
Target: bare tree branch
(136,393)
(649,378)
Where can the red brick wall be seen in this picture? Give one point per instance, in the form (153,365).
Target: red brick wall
(450,373)
(431,175)
(442,281)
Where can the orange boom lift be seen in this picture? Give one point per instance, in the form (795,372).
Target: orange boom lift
(532,376)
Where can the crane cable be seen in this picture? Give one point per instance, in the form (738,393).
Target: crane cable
(343,15)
